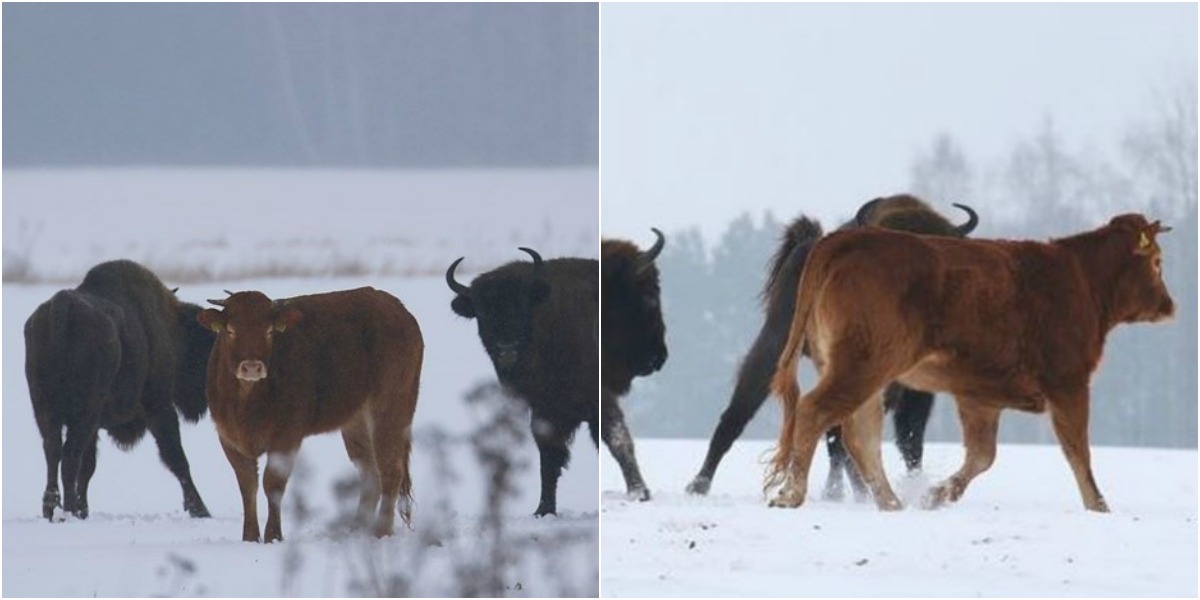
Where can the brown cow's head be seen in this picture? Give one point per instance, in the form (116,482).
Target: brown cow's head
(632,311)
(245,329)
(503,301)
(1139,293)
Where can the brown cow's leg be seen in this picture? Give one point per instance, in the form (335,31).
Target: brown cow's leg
(357,437)
(275,478)
(246,470)
(980,422)
(1071,426)
(862,434)
(835,396)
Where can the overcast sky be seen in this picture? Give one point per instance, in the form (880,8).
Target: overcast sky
(297,85)
(711,110)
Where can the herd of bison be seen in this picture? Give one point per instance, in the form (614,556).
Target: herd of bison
(895,305)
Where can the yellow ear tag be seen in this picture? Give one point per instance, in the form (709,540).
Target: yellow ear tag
(1144,242)
(216,327)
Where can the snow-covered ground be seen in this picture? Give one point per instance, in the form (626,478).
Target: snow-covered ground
(407,225)
(1020,530)
(225,224)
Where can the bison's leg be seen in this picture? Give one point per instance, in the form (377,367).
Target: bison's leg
(87,468)
(620,444)
(910,414)
(79,436)
(980,422)
(551,438)
(52,446)
(246,470)
(839,462)
(1070,421)
(751,390)
(164,426)
(275,478)
(863,440)
(357,437)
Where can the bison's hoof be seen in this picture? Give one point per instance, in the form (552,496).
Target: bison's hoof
(833,493)
(699,486)
(196,511)
(641,494)
(787,499)
(543,511)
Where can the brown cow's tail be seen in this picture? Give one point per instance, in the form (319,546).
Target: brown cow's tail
(784,384)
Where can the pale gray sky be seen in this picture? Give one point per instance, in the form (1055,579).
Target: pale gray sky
(711,110)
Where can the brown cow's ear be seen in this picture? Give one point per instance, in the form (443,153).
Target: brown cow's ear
(288,317)
(211,318)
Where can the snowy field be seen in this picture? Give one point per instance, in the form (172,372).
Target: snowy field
(1020,530)
(230,224)
(138,541)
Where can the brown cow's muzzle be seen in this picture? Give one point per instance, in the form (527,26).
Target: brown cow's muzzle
(251,370)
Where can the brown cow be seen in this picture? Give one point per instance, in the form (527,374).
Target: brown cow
(999,324)
(281,371)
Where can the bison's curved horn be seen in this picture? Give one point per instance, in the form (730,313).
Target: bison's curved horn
(645,259)
(457,287)
(228,293)
(537,258)
(860,217)
(220,303)
(972,221)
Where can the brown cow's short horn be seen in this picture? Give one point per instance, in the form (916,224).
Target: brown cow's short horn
(455,286)
(220,303)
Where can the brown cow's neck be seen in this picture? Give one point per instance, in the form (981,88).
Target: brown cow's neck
(1098,257)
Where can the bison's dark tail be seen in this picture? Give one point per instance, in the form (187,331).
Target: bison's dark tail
(787,262)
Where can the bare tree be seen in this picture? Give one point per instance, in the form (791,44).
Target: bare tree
(943,174)
(1162,152)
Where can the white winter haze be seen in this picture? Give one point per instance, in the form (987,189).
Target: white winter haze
(709,111)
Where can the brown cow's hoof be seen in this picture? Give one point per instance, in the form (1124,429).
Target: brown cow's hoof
(787,499)
(251,536)
(382,531)
(938,496)
(1099,506)
(890,505)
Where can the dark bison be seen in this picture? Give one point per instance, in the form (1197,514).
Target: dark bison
(632,342)
(120,353)
(538,322)
(998,324)
(911,408)
(282,371)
